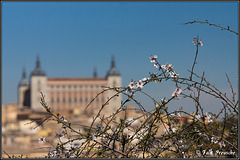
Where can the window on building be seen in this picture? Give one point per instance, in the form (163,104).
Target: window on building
(52,100)
(63,86)
(69,99)
(58,100)
(63,100)
(80,99)
(75,99)
(86,100)
(69,86)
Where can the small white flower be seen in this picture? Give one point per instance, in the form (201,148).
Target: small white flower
(184,155)
(94,137)
(146,127)
(41,140)
(62,118)
(208,117)
(172,115)
(170,67)
(176,93)
(205,136)
(69,147)
(174,130)
(179,114)
(99,127)
(214,140)
(155,65)
(163,101)
(200,43)
(221,144)
(61,134)
(72,155)
(132,85)
(164,66)
(140,84)
(99,147)
(145,79)
(136,151)
(52,153)
(174,74)
(153,58)
(194,41)
(167,67)
(198,116)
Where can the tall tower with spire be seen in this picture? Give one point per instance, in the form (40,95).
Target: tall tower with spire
(113,80)
(38,84)
(23,91)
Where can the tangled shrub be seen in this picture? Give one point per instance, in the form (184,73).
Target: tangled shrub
(158,133)
(201,134)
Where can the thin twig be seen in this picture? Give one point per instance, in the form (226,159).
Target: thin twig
(195,59)
(212,24)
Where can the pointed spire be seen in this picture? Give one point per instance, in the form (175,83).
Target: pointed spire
(95,72)
(37,62)
(24,81)
(113,70)
(38,70)
(24,73)
(113,62)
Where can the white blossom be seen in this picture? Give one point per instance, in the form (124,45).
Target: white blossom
(153,58)
(221,144)
(140,84)
(132,85)
(41,140)
(200,43)
(176,93)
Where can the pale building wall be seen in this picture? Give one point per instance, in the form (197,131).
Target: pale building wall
(38,84)
(115,103)
(21,94)
(4,113)
(11,111)
(75,93)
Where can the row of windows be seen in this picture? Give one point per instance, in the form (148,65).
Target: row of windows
(76,86)
(76,100)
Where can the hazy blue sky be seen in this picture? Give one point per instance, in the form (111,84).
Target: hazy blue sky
(72,38)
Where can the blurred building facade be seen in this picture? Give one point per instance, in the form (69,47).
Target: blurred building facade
(63,94)
(22,122)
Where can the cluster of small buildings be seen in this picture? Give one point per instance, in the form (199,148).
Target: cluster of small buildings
(67,96)
(22,122)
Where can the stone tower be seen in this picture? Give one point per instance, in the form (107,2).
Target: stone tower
(113,80)
(23,91)
(38,83)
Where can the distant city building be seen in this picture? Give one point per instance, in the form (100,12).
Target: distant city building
(68,93)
